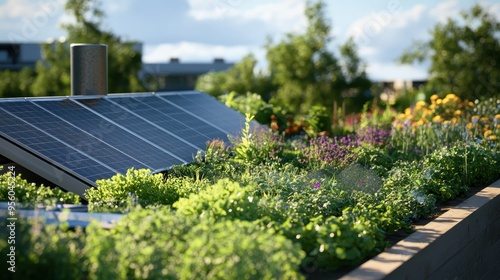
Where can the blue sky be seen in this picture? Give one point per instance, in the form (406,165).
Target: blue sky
(200,30)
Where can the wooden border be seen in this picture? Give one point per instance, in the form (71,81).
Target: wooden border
(463,243)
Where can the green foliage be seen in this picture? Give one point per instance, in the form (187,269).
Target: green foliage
(255,145)
(240,250)
(266,204)
(463,55)
(302,71)
(30,194)
(44,251)
(242,78)
(16,84)
(471,165)
(225,199)
(162,245)
(307,73)
(249,104)
(335,242)
(115,194)
(374,158)
(409,192)
(152,244)
(317,120)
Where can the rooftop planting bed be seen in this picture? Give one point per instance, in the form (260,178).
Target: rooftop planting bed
(270,206)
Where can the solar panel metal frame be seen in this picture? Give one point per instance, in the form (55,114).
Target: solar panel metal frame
(63,176)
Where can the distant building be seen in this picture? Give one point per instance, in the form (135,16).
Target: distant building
(179,76)
(14,56)
(390,91)
(170,76)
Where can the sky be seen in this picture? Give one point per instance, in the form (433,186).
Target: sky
(201,30)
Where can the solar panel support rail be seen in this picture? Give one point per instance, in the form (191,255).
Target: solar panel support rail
(42,168)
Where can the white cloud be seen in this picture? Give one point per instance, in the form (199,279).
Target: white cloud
(195,52)
(411,16)
(494,9)
(392,71)
(23,20)
(365,51)
(286,15)
(367,28)
(445,10)
(26,8)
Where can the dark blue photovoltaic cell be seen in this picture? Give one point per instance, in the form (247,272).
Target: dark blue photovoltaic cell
(111,134)
(95,138)
(210,110)
(60,154)
(72,136)
(173,119)
(145,129)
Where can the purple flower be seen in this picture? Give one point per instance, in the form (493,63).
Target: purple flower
(317,185)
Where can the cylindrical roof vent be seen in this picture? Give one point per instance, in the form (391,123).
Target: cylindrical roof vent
(89,69)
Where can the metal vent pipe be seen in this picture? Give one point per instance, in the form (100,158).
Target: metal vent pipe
(89,69)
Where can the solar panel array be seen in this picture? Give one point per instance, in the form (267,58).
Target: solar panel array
(96,137)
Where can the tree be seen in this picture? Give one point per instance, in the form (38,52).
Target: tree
(464,56)
(124,63)
(302,71)
(241,78)
(16,83)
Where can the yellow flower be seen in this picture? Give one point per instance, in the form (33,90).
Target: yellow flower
(457,113)
(437,119)
(447,122)
(475,119)
(487,133)
(497,116)
(493,137)
(434,97)
(470,126)
(471,104)
(439,101)
(451,96)
(420,104)
(419,123)
(484,120)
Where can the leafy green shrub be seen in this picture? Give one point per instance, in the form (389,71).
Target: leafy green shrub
(317,120)
(335,241)
(374,158)
(44,251)
(225,199)
(408,192)
(162,245)
(32,194)
(239,250)
(250,103)
(463,165)
(114,195)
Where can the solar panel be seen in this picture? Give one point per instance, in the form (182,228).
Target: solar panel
(172,118)
(111,133)
(212,112)
(74,141)
(55,152)
(72,136)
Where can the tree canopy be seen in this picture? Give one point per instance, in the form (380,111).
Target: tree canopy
(302,70)
(464,55)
